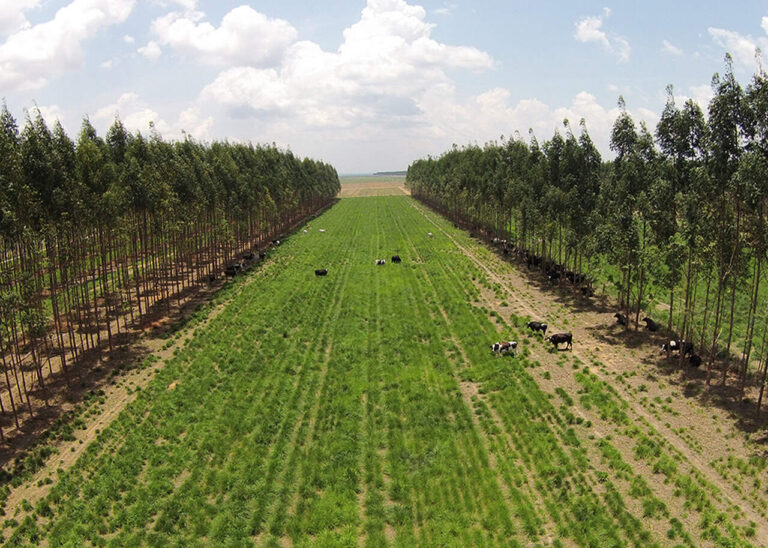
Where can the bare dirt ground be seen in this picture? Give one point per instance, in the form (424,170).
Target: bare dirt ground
(705,430)
(373,186)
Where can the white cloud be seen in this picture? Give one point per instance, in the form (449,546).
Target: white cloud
(589,29)
(128,39)
(670,48)
(447,9)
(701,94)
(245,37)
(194,124)
(12,16)
(107,64)
(50,113)
(29,57)
(136,114)
(387,61)
(741,47)
(186,4)
(765,24)
(151,51)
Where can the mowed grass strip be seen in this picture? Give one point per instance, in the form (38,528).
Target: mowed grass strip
(328,411)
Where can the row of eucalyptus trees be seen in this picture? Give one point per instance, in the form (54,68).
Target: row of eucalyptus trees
(677,217)
(100,234)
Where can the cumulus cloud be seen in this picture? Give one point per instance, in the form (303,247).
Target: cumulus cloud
(386,62)
(701,94)
(244,38)
(12,16)
(741,47)
(151,51)
(137,115)
(590,29)
(668,47)
(29,57)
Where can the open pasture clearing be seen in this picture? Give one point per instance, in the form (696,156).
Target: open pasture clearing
(372,185)
(365,408)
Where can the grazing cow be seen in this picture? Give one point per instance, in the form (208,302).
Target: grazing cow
(262,254)
(504,346)
(559,338)
(322,230)
(538,326)
(305,231)
(684,347)
(429,234)
(276,242)
(380,262)
(396,258)
(650,325)
(321,272)
(694,360)
(621,319)
(587,291)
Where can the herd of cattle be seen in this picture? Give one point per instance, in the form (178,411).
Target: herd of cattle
(683,348)
(554,273)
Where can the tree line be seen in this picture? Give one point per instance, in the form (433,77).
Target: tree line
(677,217)
(99,234)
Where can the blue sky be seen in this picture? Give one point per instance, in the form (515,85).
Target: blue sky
(366,85)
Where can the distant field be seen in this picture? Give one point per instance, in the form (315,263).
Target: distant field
(372,185)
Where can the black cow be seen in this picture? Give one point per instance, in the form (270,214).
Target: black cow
(620,318)
(233,269)
(559,338)
(538,326)
(685,347)
(321,272)
(553,275)
(694,360)
(650,325)
(396,258)
(504,346)
(587,291)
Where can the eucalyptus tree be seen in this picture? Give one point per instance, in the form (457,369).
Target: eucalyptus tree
(676,215)
(724,149)
(753,175)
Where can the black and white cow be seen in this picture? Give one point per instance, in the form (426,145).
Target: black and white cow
(504,347)
(380,262)
(685,347)
(321,272)
(560,338)
(621,319)
(538,326)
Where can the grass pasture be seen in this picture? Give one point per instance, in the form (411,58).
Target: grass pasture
(365,409)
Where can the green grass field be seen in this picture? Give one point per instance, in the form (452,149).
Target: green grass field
(365,409)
